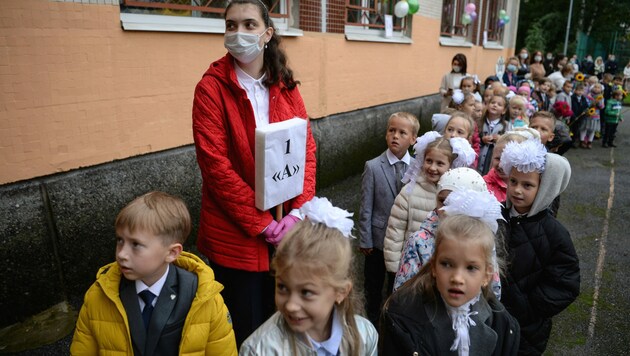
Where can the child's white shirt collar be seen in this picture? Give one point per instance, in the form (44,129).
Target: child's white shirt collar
(156,288)
(331,346)
(462,321)
(391,157)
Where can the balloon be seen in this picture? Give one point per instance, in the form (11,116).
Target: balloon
(413,6)
(506,19)
(466,19)
(473,15)
(502,14)
(501,23)
(401,9)
(470,8)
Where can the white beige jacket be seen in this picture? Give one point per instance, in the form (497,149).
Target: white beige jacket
(409,210)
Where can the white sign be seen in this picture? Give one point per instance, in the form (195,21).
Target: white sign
(389,26)
(280,162)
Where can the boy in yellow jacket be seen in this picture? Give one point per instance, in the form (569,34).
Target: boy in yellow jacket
(155,299)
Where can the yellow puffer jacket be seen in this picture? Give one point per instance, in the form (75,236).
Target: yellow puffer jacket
(103,328)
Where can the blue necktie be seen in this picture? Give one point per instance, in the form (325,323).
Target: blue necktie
(147,297)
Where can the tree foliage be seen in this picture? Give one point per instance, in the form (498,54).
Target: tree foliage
(600,19)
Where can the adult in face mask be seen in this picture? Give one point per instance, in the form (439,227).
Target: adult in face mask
(588,66)
(250,87)
(524,61)
(536,67)
(452,79)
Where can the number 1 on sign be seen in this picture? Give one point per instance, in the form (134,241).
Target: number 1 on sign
(288,147)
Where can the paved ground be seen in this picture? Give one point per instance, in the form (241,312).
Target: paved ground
(596,210)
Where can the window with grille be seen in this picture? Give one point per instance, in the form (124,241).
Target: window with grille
(452,26)
(191,15)
(492,29)
(365,20)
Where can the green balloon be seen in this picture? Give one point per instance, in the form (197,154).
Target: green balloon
(413,6)
(506,19)
(502,14)
(466,19)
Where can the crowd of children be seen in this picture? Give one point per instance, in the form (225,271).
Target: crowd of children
(463,235)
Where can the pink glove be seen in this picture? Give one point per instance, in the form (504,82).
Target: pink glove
(268,233)
(282,228)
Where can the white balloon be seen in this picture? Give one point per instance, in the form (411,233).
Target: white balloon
(401,9)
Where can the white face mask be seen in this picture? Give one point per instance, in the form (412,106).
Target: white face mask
(537,58)
(245,47)
(524,55)
(456,69)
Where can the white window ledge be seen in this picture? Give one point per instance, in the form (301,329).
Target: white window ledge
(354,33)
(492,45)
(455,42)
(162,23)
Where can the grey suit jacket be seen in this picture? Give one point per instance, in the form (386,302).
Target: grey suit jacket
(378,191)
(167,320)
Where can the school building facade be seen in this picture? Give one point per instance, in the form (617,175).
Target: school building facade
(96,101)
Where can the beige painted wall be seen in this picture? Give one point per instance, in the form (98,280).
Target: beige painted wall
(76,90)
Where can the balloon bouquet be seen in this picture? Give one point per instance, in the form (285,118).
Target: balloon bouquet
(406,7)
(470,14)
(503,18)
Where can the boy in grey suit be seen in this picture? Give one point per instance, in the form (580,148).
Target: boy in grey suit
(380,186)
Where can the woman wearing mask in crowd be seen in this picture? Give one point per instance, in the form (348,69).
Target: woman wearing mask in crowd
(451,80)
(549,63)
(250,87)
(510,77)
(588,67)
(536,67)
(600,68)
(524,61)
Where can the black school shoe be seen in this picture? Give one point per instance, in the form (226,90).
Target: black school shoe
(604,145)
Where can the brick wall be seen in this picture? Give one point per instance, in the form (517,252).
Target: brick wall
(335,20)
(311,15)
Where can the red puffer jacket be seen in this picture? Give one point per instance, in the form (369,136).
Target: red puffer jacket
(223,128)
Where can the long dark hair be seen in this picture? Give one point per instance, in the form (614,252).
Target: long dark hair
(275,60)
(461,58)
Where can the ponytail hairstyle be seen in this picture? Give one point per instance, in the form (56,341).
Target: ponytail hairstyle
(275,60)
(326,253)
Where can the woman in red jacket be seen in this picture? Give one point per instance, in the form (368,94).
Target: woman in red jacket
(251,86)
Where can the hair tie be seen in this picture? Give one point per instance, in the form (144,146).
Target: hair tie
(465,153)
(321,211)
(527,156)
(416,165)
(478,97)
(480,205)
(458,96)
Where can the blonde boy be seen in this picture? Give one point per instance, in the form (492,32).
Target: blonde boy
(545,123)
(155,299)
(381,184)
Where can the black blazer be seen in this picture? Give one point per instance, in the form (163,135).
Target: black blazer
(167,321)
(412,325)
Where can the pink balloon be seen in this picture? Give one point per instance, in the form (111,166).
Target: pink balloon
(470,8)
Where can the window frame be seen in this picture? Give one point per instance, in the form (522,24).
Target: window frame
(196,24)
(375,32)
(458,34)
(491,16)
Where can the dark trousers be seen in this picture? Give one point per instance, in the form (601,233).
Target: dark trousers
(609,134)
(249,297)
(374,279)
